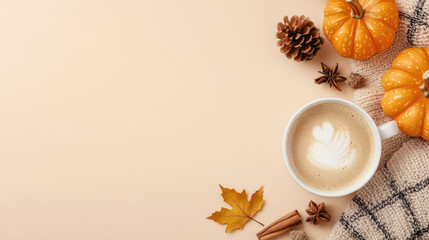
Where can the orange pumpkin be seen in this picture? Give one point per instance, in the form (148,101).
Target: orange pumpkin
(360,28)
(407,99)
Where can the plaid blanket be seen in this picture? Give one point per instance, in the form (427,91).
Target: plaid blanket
(395,203)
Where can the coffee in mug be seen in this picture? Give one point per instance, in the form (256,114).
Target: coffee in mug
(332,146)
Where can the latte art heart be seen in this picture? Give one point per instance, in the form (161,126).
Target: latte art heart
(331,148)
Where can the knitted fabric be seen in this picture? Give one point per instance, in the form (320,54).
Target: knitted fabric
(395,203)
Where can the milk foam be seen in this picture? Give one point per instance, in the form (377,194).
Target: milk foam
(331,146)
(331,149)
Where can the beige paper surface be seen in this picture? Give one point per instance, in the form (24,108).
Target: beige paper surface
(118,119)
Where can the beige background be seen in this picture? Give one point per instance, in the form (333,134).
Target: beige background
(118,119)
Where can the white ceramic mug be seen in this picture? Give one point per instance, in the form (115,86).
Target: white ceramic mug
(380,133)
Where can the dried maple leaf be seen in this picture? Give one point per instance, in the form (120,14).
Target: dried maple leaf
(242,209)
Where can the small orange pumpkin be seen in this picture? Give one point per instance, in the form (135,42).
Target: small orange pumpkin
(406,99)
(360,28)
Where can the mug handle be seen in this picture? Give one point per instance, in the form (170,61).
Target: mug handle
(388,130)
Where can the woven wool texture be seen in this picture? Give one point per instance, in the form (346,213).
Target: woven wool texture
(394,204)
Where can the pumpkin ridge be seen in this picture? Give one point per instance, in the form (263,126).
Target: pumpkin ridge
(338,4)
(342,26)
(416,99)
(411,105)
(387,26)
(419,99)
(424,122)
(339,26)
(381,20)
(415,75)
(427,57)
(370,45)
(393,69)
(410,60)
(373,4)
(424,118)
(412,102)
(352,49)
(370,35)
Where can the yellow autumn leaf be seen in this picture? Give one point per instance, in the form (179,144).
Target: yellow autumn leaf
(242,209)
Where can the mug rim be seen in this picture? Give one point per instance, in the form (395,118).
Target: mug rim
(377,151)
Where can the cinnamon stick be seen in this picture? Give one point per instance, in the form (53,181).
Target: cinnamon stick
(287,216)
(280,226)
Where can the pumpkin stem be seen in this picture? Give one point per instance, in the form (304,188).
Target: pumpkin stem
(425,86)
(357,9)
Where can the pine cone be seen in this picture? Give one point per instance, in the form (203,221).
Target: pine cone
(299,38)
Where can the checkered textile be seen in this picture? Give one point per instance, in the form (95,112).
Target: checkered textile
(395,203)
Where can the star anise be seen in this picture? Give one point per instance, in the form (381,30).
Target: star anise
(317,213)
(330,76)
